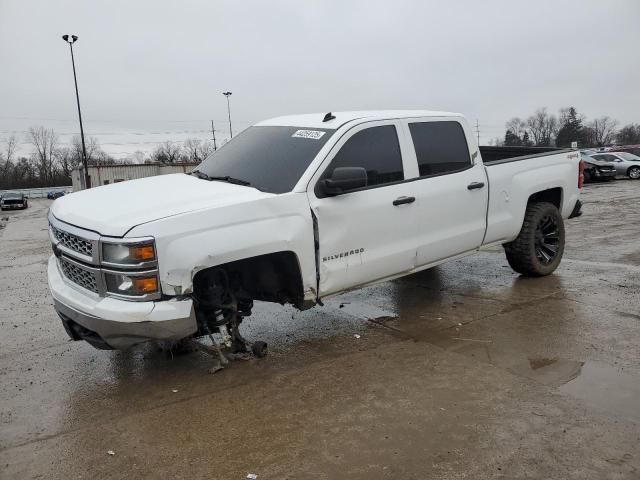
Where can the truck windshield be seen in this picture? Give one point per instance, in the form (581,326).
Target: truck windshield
(269,158)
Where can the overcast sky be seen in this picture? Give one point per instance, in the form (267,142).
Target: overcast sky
(157,68)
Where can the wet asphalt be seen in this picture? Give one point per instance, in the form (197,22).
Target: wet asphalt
(466,370)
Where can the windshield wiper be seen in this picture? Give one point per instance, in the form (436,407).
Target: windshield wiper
(229,179)
(199,174)
(226,178)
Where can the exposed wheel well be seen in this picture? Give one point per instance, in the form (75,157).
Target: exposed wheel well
(552,195)
(274,277)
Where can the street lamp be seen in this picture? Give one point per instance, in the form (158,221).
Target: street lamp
(71,41)
(228,94)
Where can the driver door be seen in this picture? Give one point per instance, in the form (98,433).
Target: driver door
(365,234)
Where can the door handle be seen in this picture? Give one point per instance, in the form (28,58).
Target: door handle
(403,200)
(475,185)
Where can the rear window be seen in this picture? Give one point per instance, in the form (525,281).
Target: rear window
(441,147)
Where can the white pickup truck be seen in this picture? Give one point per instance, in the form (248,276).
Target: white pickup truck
(296,209)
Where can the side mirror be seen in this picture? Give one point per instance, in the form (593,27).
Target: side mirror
(344,179)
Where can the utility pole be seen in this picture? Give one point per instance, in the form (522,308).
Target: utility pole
(87,181)
(213,132)
(228,94)
(478,131)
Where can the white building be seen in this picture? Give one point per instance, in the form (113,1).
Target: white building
(106,174)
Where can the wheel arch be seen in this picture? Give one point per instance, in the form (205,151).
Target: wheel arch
(550,195)
(273,277)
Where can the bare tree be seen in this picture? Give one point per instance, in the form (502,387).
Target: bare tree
(629,134)
(139,156)
(197,150)
(543,127)
(44,141)
(206,149)
(517,126)
(10,149)
(6,163)
(167,152)
(192,149)
(603,130)
(92,147)
(66,160)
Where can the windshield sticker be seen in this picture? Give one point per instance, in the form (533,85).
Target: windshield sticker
(312,134)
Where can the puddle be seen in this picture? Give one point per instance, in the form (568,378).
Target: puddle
(366,311)
(549,371)
(536,363)
(607,388)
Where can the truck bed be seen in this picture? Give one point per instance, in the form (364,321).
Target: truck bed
(497,155)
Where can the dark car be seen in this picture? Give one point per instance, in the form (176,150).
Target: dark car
(54,195)
(13,201)
(597,170)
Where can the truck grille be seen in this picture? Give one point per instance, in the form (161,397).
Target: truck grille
(79,276)
(72,242)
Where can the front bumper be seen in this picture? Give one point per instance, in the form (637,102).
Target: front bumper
(119,324)
(604,174)
(12,206)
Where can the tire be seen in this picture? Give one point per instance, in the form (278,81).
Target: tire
(587,176)
(538,248)
(259,349)
(634,173)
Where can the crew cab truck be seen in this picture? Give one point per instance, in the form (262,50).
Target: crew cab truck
(296,209)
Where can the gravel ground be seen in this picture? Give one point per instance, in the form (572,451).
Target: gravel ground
(463,371)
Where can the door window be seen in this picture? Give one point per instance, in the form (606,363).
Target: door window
(375,149)
(441,147)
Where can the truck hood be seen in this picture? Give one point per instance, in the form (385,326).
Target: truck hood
(115,209)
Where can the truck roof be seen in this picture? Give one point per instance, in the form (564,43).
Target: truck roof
(315,120)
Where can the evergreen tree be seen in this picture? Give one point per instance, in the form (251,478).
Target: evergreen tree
(571,130)
(511,139)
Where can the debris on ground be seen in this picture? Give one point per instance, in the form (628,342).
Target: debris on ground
(252,476)
(356,335)
(111,452)
(174,390)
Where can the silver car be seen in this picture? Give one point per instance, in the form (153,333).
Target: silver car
(626,164)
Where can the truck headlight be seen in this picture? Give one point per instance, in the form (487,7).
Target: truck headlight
(133,285)
(129,253)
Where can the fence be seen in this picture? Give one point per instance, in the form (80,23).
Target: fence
(38,192)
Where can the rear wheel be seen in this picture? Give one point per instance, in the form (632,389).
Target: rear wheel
(634,172)
(538,248)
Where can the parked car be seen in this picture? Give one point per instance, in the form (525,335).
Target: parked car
(597,170)
(297,209)
(635,149)
(13,201)
(626,164)
(54,195)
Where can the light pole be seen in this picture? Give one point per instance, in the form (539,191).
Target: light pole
(71,41)
(228,94)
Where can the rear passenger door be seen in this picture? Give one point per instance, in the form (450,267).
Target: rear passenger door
(451,190)
(366,234)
